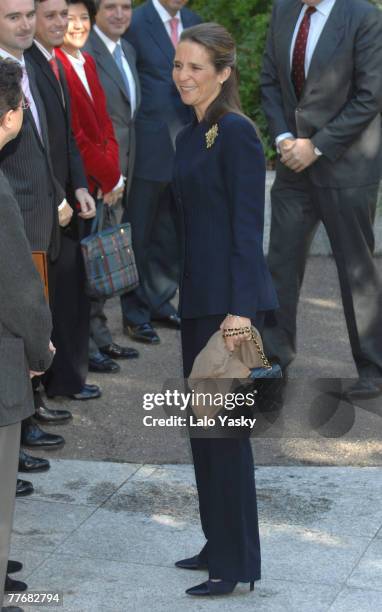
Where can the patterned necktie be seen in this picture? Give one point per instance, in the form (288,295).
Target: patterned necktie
(299,51)
(29,98)
(174,30)
(54,67)
(117,54)
(56,72)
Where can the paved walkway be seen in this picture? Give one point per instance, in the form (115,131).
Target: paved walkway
(119,505)
(107,534)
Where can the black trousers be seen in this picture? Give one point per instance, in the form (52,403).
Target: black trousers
(70,312)
(348,216)
(224,473)
(150,211)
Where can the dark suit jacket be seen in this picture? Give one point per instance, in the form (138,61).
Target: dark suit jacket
(27,165)
(118,105)
(92,126)
(66,159)
(220,194)
(162,113)
(342,100)
(25,322)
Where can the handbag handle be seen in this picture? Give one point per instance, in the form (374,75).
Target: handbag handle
(260,351)
(97,222)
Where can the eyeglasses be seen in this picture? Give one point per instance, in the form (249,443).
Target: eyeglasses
(25,104)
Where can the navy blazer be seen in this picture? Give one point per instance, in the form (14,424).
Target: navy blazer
(220,193)
(162,114)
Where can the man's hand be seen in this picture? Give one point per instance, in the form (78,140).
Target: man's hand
(286,145)
(33,373)
(65,213)
(86,202)
(298,154)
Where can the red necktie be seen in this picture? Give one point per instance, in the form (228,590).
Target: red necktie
(298,59)
(54,67)
(174,22)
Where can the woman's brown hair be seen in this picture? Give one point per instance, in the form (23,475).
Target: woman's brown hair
(222,51)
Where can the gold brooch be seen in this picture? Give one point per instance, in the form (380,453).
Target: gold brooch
(211,135)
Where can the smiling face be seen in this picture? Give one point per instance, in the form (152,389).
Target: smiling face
(114,17)
(195,76)
(51,23)
(79,26)
(17,25)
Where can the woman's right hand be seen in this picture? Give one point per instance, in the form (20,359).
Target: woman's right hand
(235,330)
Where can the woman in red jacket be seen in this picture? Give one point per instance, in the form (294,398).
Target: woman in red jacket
(91,123)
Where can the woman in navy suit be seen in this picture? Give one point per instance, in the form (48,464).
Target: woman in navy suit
(219,184)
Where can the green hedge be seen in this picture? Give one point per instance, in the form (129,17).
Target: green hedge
(247,20)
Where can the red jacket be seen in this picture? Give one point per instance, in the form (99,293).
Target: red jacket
(92,126)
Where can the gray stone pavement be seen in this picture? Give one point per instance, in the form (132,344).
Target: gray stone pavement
(119,505)
(106,536)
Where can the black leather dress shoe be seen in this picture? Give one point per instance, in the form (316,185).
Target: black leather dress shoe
(14,586)
(23,488)
(14,566)
(27,463)
(119,352)
(103,364)
(172,320)
(45,415)
(142,333)
(88,392)
(364,388)
(34,437)
(192,563)
(92,387)
(210,587)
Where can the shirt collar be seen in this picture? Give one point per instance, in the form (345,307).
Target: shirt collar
(110,44)
(5,55)
(44,51)
(324,7)
(163,14)
(77,61)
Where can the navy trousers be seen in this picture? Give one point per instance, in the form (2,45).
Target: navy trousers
(224,473)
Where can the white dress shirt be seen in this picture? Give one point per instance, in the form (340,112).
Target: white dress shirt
(166,17)
(78,64)
(317,24)
(44,51)
(111,45)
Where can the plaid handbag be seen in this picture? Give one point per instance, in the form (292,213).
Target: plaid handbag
(109,257)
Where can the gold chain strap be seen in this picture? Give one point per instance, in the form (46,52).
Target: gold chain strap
(265,361)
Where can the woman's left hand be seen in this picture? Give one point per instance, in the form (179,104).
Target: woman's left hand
(235,330)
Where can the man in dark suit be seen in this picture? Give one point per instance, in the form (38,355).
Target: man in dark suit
(322,94)
(25,321)
(154,32)
(27,165)
(121,86)
(70,305)
(115,60)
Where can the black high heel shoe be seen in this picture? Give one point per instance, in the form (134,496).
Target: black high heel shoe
(210,587)
(192,563)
